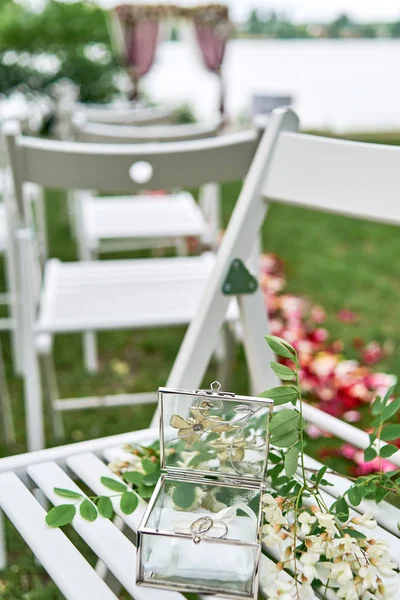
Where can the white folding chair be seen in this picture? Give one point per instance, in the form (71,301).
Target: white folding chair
(59,467)
(104,224)
(124,113)
(90,296)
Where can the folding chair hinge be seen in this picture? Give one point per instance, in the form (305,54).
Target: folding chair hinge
(239,280)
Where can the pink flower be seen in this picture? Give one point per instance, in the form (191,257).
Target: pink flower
(313,431)
(373,353)
(347,316)
(318,314)
(352,416)
(319,335)
(365,468)
(348,451)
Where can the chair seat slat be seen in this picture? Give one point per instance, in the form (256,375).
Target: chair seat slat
(67,567)
(102,536)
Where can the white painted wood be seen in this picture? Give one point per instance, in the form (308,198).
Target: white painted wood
(142,293)
(106,167)
(350,178)
(3,543)
(5,405)
(88,131)
(124,114)
(30,366)
(70,571)
(67,404)
(106,540)
(238,242)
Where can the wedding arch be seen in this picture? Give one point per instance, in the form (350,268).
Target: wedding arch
(136,28)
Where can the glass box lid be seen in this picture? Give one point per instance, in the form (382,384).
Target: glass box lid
(214,433)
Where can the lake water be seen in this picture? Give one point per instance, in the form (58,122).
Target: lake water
(340,85)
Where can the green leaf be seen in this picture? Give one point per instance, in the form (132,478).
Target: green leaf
(88,510)
(280,346)
(133,477)
(286,440)
(388,450)
(184,495)
(61,515)
(149,466)
(291,461)
(320,474)
(380,494)
(67,493)
(284,421)
(145,491)
(281,395)
(282,371)
(377,406)
(372,438)
(105,507)
(151,479)
(390,432)
(369,454)
(342,510)
(391,409)
(354,495)
(354,533)
(388,395)
(113,484)
(129,502)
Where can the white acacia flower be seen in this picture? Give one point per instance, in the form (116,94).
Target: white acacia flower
(378,548)
(310,557)
(306,520)
(315,543)
(365,520)
(271,538)
(272,511)
(386,567)
(327,521)
(282,590)
(341,572)
(386,592)
(348,591)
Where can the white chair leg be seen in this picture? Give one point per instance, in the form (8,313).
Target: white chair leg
(3,545)
(52,394)
(12,289)
(42,225)
(32,385)
(225,355)
(5,405)
(90,352)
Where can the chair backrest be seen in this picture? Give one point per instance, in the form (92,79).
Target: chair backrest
(86,131)
(111,168)
(123,114)
(345,177)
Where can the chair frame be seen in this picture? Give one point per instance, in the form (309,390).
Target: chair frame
(83,166)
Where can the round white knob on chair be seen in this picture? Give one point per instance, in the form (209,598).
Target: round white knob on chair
(141,172)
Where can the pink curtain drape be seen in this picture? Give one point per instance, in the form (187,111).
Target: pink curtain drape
(139,46)
(212,38)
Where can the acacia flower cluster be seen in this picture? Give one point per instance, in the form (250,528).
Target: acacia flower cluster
(321,551)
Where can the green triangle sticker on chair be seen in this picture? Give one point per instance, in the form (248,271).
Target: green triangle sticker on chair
(239,280)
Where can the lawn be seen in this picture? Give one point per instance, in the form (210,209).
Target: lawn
(335,261)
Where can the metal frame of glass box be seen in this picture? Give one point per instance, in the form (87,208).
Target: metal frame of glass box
(203,477)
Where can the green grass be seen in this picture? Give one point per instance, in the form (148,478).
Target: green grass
(335,261)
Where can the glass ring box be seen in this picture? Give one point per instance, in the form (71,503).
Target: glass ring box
(201,530)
